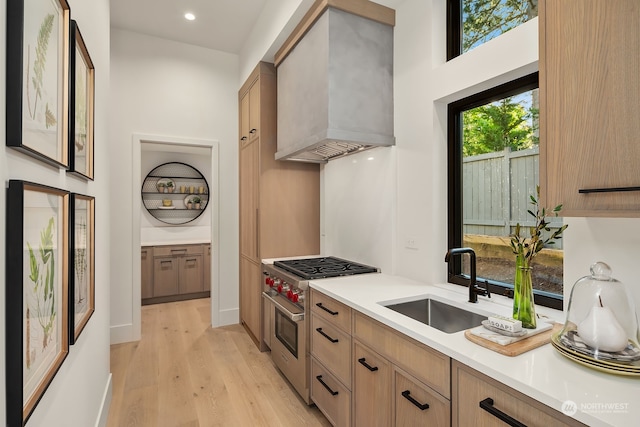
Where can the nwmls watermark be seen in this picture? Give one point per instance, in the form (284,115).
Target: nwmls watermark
(570,407)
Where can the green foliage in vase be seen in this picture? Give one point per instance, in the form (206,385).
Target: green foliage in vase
(44,282)
(44,34)
(528,247)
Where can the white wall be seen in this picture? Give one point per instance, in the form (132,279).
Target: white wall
(82,385)
(424,84)
(161,87)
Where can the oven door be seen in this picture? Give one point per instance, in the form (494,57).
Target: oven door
(289,342)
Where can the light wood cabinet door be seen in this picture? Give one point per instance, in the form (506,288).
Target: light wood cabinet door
(207,268)
(254,110)
(191,274)
(589,108)
(250,283)
(332,347)
(471,390)
(146,269)
(249,188)
(244,118)
(372,403)
(165,276)
(418,405)
(330,395)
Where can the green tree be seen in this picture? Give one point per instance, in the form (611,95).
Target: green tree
(483,20)
(493,127)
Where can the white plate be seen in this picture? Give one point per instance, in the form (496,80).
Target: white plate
(166,207)
(165,181)
(191,196)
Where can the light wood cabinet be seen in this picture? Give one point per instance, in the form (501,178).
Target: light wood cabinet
(424,363)
(207,268)
(279,201)
(178,273)
(418,405)
(589,109)
(165,276)
(250,285)
(482,401)
(372,388)
(331,356)
(146,269)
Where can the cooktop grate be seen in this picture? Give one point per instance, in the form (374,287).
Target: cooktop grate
(320,268)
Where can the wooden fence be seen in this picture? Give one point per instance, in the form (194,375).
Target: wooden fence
(496,192)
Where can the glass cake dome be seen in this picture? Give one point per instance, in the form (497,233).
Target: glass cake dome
(601,323)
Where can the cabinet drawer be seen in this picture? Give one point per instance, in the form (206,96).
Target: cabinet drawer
(331,346)
(427,365)
(412,398)
(470,387)
(333,399)
(165,251)
(332,310)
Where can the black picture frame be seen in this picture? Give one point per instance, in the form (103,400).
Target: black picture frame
(81,263)
(37,91)
(37,332)
(81,106)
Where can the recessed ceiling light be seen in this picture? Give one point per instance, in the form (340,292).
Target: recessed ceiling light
(189,16)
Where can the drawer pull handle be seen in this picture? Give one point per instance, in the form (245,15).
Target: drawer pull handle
(252,131)
(166,262)
(333,393)
(407,395)
(366,365)
(487,405)
(321,332)
(607,190)
(333,313)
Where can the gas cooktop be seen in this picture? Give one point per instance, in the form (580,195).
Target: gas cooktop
(321,268)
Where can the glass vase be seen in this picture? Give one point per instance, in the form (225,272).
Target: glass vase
(523,306)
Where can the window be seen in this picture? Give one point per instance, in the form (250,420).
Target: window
(493,171)
(471,23)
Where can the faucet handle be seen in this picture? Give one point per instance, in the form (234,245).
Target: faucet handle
(486,287)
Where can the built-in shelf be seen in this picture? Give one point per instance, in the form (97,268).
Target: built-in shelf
(187,184)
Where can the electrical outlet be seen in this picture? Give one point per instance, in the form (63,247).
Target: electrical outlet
(411,243)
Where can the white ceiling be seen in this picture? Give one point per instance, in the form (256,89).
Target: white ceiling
(220,24)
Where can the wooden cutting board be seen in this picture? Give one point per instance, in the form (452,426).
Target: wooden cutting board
(518,347)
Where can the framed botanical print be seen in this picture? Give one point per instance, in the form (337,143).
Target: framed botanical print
(38,78)
(81,263)
(81,105)
(37,329)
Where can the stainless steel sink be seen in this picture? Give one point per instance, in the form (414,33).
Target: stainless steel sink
(438,314)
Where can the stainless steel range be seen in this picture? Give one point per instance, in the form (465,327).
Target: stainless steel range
(286,288)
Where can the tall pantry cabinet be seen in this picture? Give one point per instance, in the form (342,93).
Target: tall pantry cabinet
(279,200)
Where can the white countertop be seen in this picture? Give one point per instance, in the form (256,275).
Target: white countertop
(176,242)
(602,399)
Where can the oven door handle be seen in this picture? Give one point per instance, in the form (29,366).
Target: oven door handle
(293,316)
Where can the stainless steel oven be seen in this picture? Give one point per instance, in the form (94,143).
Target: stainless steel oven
(286,289)
(289,340)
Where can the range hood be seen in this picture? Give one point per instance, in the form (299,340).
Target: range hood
(335,89)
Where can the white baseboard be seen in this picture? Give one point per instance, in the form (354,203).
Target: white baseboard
(229,317)
(103,414)
(123,333)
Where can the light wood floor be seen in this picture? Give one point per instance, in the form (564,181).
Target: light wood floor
(185,373)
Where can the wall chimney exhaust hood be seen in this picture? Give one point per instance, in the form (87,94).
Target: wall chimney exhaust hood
(335,85)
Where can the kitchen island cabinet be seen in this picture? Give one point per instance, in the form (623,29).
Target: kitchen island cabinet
(279,201)
(174,273)
(589,91)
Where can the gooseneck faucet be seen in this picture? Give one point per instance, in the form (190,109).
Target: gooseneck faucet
(474,289)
